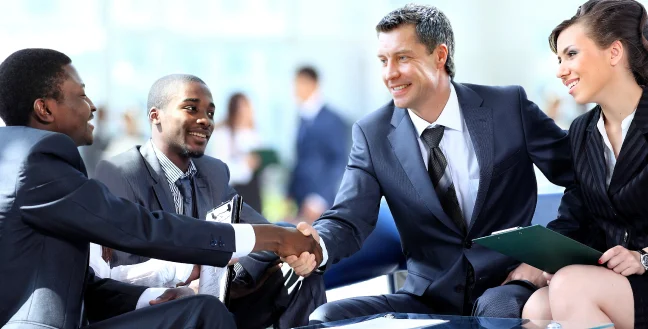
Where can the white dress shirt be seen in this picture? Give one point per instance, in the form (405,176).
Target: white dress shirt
(457,147)
(608,152)
(458,150)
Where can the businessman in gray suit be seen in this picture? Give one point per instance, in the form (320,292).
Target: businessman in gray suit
(50,211)
(149,175)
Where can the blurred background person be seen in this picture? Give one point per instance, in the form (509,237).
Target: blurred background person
(92,154)
(234,141)
(131,135)
(321,149)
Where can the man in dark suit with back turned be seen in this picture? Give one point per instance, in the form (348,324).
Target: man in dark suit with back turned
(50,211)
(151,175)
(454,162)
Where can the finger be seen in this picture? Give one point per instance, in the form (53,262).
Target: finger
(629,271)
(289,259)
(547,276)
(614,261)
(609,254)
(298,262)
(624,265)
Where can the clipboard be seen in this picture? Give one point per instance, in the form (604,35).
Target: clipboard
(226,212)
(540,247)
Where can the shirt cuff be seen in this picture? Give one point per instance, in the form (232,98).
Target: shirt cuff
(148,295)
(324,253)
(244,238)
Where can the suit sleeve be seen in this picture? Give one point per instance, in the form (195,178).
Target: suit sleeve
(59,200)
(547,144)
(106,298)
(354,214)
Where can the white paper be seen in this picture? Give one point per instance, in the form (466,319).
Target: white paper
(387,323)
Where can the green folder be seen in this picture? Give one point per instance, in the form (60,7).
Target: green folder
(540,247)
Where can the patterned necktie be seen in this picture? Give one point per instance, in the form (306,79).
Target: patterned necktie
(440,176)
(184,185)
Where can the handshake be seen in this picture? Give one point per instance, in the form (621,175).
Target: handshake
(299,247)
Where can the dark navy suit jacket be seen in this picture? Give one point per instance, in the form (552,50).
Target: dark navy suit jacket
(322,150)
(509,134)
(50,212)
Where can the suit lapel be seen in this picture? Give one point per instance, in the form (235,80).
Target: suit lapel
(594,148)
(634,149)
(479,121)
(160,185)
(404,142)
(204,195)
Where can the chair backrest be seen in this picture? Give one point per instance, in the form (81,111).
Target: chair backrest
(546,208)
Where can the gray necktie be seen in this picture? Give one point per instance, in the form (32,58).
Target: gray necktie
(440,176)
(184,185)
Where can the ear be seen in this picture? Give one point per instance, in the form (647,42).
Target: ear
(154,115)
(616,53)
(441,55)
(42,112)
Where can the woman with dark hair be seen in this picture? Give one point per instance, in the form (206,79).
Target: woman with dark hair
(233,142)
(603,59)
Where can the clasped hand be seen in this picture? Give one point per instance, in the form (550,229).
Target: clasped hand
(305,263)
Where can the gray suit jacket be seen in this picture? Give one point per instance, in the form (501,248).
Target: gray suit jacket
(137,176)
(50,212)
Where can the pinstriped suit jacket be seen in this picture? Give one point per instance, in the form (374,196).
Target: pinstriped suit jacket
(597,215)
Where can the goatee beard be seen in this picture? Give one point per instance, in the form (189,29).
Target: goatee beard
(191,154)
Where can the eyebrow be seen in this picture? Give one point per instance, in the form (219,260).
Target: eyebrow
(400,52)
(566,49)
(196,100)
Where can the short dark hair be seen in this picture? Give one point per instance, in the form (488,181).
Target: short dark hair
(606,21)
(27,75)
(165,87)
(309,72)
(432,28)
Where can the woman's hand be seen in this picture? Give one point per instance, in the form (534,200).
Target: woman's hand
(623,261)
(547,277)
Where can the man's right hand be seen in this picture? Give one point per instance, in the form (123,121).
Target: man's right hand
(305,264)
(286,242)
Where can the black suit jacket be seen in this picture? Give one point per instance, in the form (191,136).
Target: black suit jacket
(137,176)
(50,212)
(595,214)
(509,134)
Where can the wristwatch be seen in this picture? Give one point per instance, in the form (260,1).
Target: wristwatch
(643,256)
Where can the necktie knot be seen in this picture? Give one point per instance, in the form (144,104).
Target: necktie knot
(184,185)
(432,136)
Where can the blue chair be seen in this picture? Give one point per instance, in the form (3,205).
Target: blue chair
(546,208)
(381,254)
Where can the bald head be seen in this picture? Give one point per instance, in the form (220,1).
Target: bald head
(166,87)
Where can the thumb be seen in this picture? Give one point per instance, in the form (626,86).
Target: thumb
(307,229)
(165,297)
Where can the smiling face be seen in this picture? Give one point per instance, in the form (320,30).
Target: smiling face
(584,68)
(185,124)
(410,72)
(74,110)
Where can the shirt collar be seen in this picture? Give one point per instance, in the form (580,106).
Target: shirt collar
(450,117)
(312,106)
(171,171)
(625,124)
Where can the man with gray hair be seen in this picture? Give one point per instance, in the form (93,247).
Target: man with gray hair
(454,162)
(171,173)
